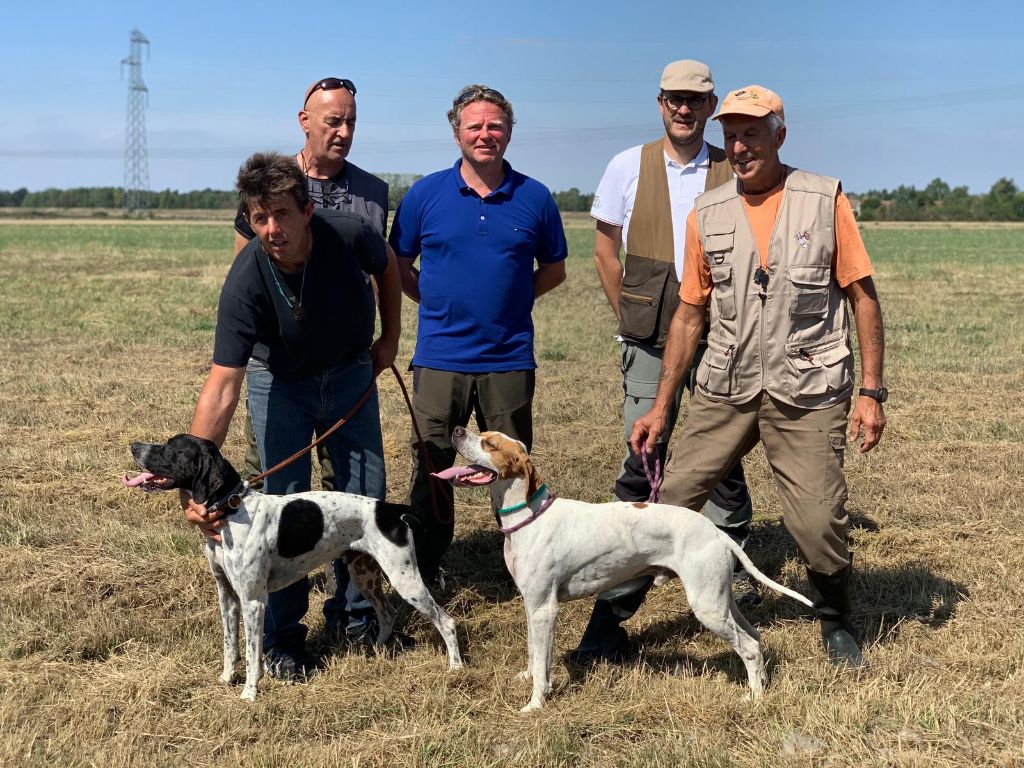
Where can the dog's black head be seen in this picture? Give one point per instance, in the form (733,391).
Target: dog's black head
(184,461)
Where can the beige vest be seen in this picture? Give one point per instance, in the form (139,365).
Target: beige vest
(650,289)
(791,338)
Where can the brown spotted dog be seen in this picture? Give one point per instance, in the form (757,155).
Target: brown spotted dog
(270,542)
(560,549)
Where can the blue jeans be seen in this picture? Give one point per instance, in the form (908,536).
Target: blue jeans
(286,413)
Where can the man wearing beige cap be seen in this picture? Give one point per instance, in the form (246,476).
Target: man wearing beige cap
(642,202)
(776,256)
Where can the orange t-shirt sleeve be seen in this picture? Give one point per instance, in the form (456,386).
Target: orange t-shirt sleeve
(695,287)
(851,259)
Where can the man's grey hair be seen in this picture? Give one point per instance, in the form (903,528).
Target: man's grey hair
(477,92)
(775,123)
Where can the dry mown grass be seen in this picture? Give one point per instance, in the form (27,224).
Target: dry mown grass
(109,636)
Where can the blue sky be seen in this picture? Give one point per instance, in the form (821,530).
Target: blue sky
(876,93)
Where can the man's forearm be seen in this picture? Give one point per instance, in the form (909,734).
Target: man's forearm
(867,315)
(216,404)
(548,276)
(410,278)
(607,244)
(389,290)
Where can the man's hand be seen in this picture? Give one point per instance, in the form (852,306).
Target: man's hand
(209,522)
(869,420)
(647,429)
(383,353)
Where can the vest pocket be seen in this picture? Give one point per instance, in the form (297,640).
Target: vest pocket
(724,292)
(718,240)
(810,286)
(819,368)
(714,375)
(640,297)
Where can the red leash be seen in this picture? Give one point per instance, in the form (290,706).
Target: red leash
(351,412)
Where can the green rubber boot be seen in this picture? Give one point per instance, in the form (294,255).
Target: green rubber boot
(833,609)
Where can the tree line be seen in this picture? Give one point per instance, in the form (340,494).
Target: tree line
(940,202)
(936,202)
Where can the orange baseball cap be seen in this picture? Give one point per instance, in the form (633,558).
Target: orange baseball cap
(752,101)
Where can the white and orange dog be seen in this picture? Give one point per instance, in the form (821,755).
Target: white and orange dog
(559,550)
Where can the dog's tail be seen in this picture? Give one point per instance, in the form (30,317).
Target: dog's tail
(753,571)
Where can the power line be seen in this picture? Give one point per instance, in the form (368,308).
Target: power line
(136,156)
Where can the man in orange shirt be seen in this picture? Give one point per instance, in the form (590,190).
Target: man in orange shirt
(777,254)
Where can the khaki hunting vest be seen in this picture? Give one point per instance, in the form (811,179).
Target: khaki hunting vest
(791,338)
(650,289)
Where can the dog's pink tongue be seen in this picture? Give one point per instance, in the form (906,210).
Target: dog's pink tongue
(454,473)
(139,479)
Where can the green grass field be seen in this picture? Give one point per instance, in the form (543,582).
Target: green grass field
(109,629)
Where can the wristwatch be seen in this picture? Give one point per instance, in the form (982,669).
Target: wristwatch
(881,394)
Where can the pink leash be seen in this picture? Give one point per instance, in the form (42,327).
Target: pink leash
(653,478)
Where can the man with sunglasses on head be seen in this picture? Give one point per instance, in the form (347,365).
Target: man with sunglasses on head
(489,242)
(642,203)
(328,120)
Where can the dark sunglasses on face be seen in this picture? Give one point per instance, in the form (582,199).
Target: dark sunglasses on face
(331,84)
(476,93)
(675,101)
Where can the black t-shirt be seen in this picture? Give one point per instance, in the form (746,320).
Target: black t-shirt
(255,319)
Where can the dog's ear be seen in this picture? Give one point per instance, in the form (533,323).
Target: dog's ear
(533,478)
(520,465)
(213,474)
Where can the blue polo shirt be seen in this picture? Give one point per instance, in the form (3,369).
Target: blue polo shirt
(476,267)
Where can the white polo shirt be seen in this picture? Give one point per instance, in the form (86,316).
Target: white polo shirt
(613,201)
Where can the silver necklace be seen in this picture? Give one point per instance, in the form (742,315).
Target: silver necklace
(294,304)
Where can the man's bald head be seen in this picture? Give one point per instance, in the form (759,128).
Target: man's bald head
(329,121)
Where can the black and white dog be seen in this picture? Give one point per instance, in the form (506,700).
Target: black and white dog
(270,542)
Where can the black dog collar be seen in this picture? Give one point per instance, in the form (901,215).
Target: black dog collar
(232,501)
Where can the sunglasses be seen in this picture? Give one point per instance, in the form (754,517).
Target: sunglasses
(331,84)
(675,101)
(477,93)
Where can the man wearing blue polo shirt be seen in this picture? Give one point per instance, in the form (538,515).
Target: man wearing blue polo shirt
(478,229)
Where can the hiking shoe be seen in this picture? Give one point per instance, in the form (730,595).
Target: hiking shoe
(289,666)
(744,589)
(364,635)
(603,639)
(612,646)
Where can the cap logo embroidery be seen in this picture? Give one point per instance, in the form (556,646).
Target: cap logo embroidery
(804,238)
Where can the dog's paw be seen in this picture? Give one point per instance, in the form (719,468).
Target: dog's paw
(248,694)
(228,678)
(534,705)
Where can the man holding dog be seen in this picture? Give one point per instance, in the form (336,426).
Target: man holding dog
(642,202)
(328,121)
(776,256)
(478,229)
(296,322)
